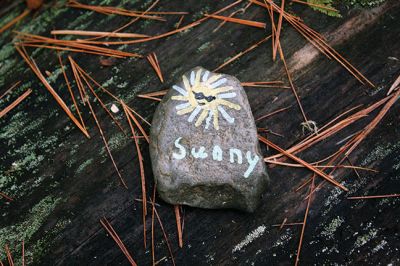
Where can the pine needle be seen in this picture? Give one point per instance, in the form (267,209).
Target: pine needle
(113,10)
(98,33)
(9,256)
(316,40)
(252,47)
(14,21)
(39,74)
(307,165)
(178,225)
(6,196)
(163,35)
(246,22)
(374,197)
(31,40)
(9,90)
(304,224)
(142,174)
(110,230)
(152,58)
(15,103)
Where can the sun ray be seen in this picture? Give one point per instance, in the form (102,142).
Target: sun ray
(179,98)
(201,118)
(227,95)
(218,83)
(225,115)
(192,78)
(186,110)
(205,76)
(186,83)
(197,80)
(213,78)
(222,89)
(195,112)
(182,106)
(210,115)
(215,122)
(229,104)
(180,90)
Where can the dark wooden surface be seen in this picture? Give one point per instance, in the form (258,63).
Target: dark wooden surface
(63,183)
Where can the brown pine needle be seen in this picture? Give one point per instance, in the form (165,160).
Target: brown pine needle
(106,144)
(39,74)
(316,40)
(113,10)
(273,113)
(286,224)
(96,96)
(110,230)
(265,84)
(163,35)
(304,223)
(27,39)
(367,130)
(14,21)
(129,112)
(70,90)
(278,30)
(60,48)
(6,196)
(331,128)
(98,33)
(155,93)
(240,21)
(291,83)
(152,58)
(127,24)
(179,22)
(165,235)
(9,256)
(307,165)
(241,10)
(178,225)
(315,5)
(10,89)
(252,47)
(15,103)
(153,255)
(142,175)
(374,197)
(150,98)
(322,166)
(394,86)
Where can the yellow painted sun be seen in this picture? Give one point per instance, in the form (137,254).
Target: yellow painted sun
(205,94)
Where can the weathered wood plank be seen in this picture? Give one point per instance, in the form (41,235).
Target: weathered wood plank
(63,183)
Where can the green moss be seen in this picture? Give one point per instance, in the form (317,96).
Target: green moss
(117,141)
(84,165)
(330,229)
(204,47)
(25,229)
(365,238)
(364,3)
(379,153)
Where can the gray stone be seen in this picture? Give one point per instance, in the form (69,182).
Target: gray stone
(203,144)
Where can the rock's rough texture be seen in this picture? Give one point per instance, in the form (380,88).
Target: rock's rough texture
(204,147)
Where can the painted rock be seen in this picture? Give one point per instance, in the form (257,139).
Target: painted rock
(203,144)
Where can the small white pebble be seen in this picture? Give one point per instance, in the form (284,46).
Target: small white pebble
(114,109)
